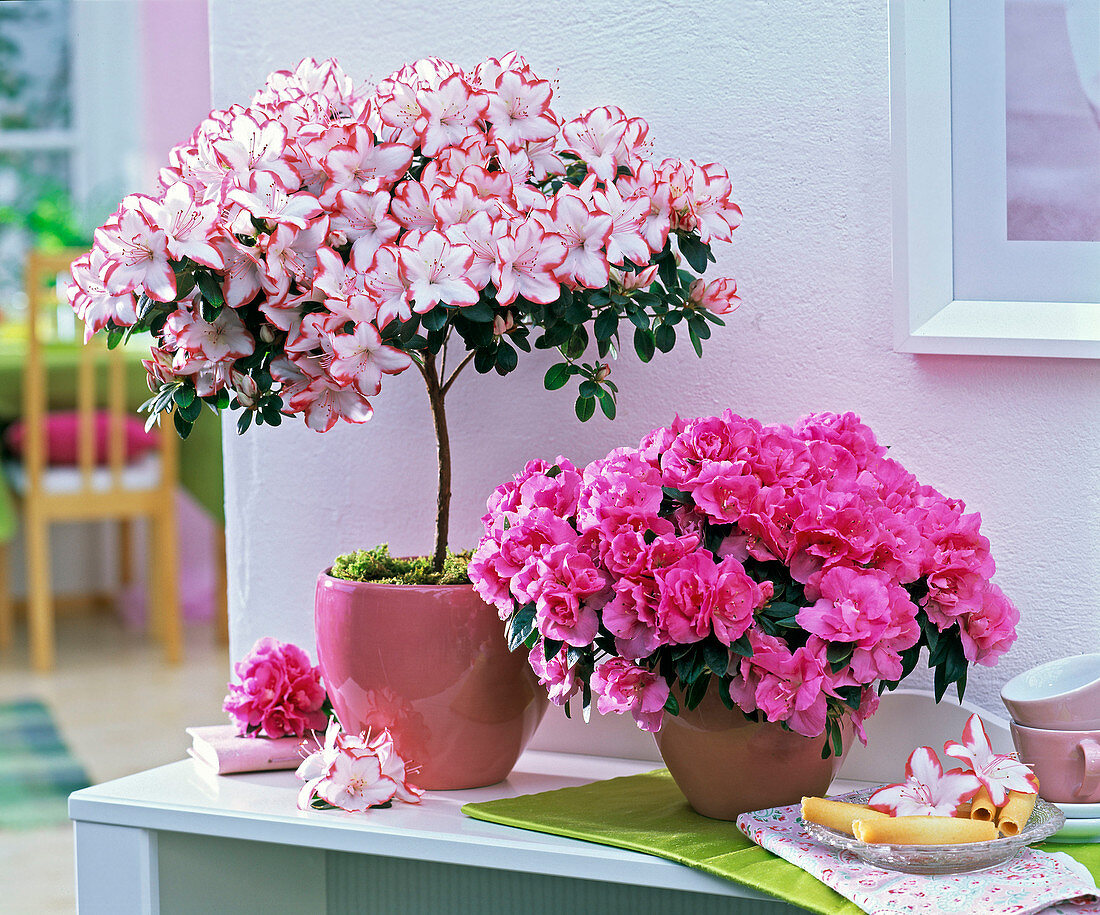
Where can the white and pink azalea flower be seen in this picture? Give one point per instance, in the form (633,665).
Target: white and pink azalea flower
(355,773)
(264,197)
(253,142)
(527,257)
(927,790)
(360,359)
(999,773)
(135,256)
(436,271)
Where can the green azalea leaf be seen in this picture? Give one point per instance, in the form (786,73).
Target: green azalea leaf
(599,299)
(717,657)
(550,647)
(585,408)
(481,312)
(191,411)
(244,421)
(638,318)
(507,358)
(701,328)
(695,341)
(607,402)
(183,426)
(694,694)
(695,252)
(665,337)
(520,626)
(671,705)
(434,319)
(644,343)
(211,290)
(577,344)
(484,360)
(577,312)
(839,654)
(557,376)
(666,270)
(677,495)
(606,325)
(724,693)
(742,646)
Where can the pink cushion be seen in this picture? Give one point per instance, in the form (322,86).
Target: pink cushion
(63,438)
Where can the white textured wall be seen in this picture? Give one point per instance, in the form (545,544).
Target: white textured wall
(793,99)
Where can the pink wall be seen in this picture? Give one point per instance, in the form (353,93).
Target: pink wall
(176,76)
(797,106)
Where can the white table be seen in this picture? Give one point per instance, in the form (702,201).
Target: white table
(180,839)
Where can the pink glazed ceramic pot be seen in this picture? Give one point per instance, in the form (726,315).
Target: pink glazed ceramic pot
(727,765)
(430,663)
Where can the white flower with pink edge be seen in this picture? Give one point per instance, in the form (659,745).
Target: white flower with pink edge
(354,773)
(999,773)
(927,790)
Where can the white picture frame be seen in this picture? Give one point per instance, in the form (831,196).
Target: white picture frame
(929,318)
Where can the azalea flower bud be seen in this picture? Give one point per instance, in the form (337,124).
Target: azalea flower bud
(719,296)
(267,334)
(246,388)
(337,239)
(503,324)
(603,373)
(628,281)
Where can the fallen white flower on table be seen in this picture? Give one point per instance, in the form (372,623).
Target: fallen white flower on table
(355,773)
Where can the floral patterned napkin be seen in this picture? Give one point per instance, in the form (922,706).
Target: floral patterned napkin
(1034,882)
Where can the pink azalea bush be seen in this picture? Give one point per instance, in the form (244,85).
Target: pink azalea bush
(327,234)
(278,692)
(801,569)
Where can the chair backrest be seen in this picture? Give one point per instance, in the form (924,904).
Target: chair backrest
(42,270)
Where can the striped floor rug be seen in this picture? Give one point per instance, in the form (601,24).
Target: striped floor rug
(37,771)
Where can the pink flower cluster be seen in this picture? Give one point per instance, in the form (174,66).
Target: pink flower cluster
(325,210)
(277,693)
(803,556)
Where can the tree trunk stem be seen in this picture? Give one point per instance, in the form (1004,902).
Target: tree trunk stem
(443,493)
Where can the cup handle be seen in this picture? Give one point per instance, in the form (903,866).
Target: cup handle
(1090,779)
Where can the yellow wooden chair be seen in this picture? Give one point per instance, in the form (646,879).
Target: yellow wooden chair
(93,490)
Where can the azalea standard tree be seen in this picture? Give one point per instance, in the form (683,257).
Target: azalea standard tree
(327,234)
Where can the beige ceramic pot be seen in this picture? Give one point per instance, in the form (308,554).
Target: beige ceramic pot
(430,663)
(727,765)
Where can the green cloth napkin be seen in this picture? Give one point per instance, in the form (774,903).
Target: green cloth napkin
(647,813)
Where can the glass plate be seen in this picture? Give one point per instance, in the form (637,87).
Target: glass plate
(1044,821)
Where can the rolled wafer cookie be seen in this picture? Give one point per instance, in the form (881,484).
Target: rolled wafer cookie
(982,806)
(923,830)
(836,815)
(1014,814)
